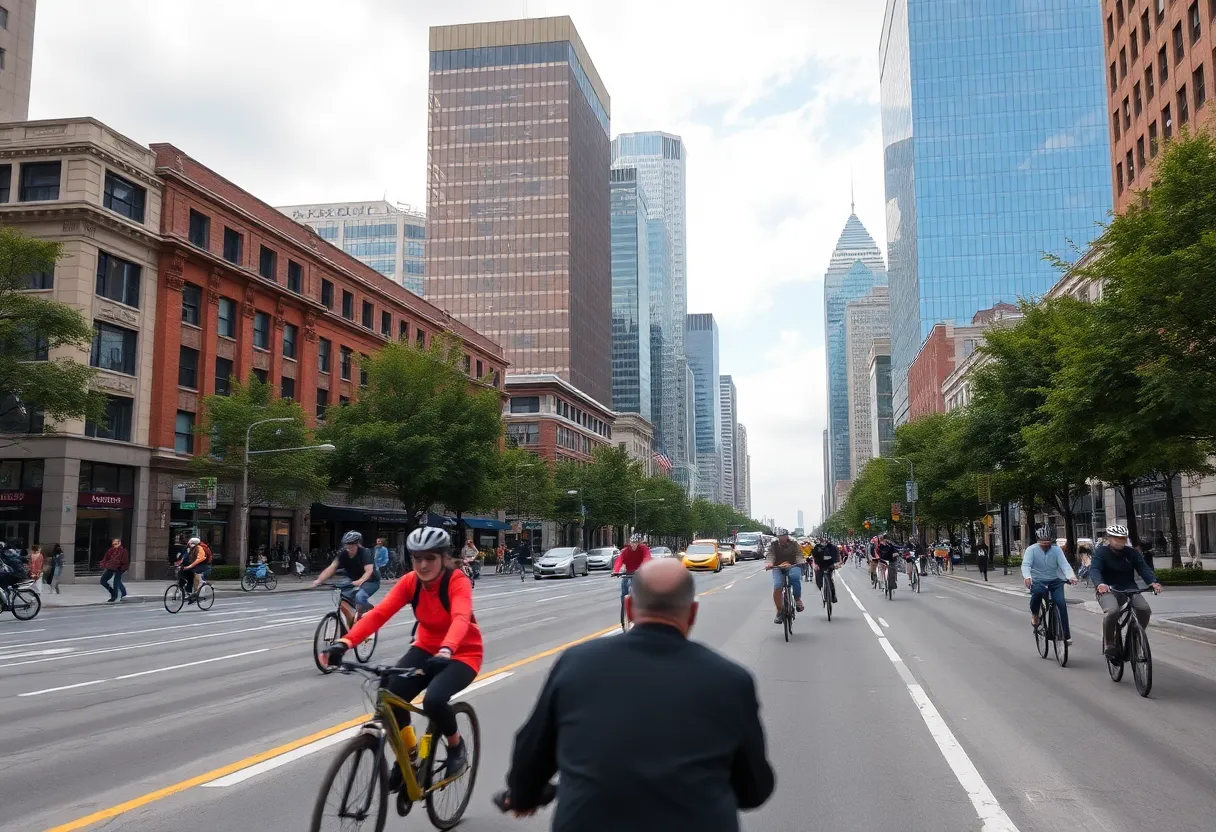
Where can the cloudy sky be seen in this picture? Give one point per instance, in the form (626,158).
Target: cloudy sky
(310,101)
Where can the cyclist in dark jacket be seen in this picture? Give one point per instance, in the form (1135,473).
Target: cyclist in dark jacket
(1113,571)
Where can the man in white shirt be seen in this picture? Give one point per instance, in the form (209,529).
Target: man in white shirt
(1045,569)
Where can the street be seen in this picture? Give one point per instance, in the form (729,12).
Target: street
(935,713)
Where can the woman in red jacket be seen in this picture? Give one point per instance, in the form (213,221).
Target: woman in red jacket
(447,643)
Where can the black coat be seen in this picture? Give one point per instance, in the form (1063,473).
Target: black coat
(650,732)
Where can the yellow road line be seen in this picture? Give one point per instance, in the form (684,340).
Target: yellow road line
(231,768)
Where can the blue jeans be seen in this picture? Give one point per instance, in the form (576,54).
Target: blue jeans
(369,588)
(795,580)
(626,583)
(116,590)
(1055,589)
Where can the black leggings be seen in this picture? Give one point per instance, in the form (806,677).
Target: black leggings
(439,687)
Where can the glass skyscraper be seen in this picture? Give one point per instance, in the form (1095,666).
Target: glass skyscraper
(701,347)
(631,365)
(996,152)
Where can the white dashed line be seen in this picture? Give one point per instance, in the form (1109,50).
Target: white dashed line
(64,687)
(883,622)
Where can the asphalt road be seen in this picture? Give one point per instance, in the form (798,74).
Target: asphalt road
(934,714)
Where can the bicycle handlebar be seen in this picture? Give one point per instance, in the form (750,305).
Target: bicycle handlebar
(383,671)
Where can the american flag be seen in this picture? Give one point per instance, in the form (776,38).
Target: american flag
(662,461)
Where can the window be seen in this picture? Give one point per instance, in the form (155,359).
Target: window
(289,340)
(113,348)
(323,355)
(348,305)
(386,324)
(1167,124)
(3,18)
(261,375)
(1152,139)
(1122,62)
(192,301)
(1194,17)
(497,378)
(1145,32)
(37,347)
(295,277)
(415,267)
(468,365)
(234,245)
(1160,11)
(118,279)
(118,420)
(403,330)
(327,294)
(1114,79)
(223,376)
(1127,113)
(39,180)
(187,368)
(6,181)
(1184,110)
(36,281)
(1199,88)
(1211,13)
(525,404)
(1135,45)
(1148,83)
(287,388)
(227,318)
(1114,124)
(261,330)
(1179,46)
(124,197)
(1140,152)
(480,369)
(1130,167)
(420,339)
(1137,101)
(183,433)
(369,314)
(200,229)
(344,365)
(322,403)
(415,232)
(268,263)
(343,401)
(3,55)
(363,359)
(523,433)
(1163,66)
(1110,29)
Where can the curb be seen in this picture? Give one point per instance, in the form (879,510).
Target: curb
(219,590)
(1186,630)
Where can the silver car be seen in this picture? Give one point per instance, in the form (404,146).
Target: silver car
(602,558)
(750,546)
(565,561)
(661,552)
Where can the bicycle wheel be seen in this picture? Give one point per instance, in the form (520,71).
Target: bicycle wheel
(1141,657)
(827,597)
(355,788)
(174,598)
(1041,640)
(328,631)
(248,582)
(26,604)
(916,578)
(445,804)
(271,581)
(1115,669)
(206,596)
(1057,626)
(365,649)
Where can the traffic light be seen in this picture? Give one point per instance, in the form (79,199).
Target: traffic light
(867,524)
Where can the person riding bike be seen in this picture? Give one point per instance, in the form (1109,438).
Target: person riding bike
(196,566)
(629,560)
(825,557)
(523,554)
(784,554)
(359,565)
(1113,571)
(447,642)
(886,553)
(908,553)
(1044,570)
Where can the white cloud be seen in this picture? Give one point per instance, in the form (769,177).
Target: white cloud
(313,101)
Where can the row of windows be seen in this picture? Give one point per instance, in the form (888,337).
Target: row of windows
(39,181)
(234,250)
(1133,106)
(1126,169)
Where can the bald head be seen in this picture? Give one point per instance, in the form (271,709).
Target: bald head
(663,592)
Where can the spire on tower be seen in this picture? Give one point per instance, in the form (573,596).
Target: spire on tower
(852,203)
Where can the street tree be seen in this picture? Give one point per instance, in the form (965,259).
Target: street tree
(523,484)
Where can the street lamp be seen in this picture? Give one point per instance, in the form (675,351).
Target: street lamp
(912,479)
(635,505)
(243,535)
(582,510)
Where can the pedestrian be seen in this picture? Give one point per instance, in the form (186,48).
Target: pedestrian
(114,563)
(56,567)
(500,553)
(37,565)
(710,761)
(981,560)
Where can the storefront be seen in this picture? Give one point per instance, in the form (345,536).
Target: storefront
(330,522)
(485,531)
(210,526)
(104,512)
(272,532)
(20,501)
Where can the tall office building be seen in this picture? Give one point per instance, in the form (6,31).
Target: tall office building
(684,464)
(801,521)
(631,363)
(882,416)
(728,403)
(866,320)
(16,58)
(389,238)
(743,473)
(829,508)
(517,195)
(855,269)
(993,156)
(701,347)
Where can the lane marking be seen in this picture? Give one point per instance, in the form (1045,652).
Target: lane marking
(7,633)
(554,597)
(191,664)
(986,806)
(54,651)
(883,621)
(126,633)
(62,687)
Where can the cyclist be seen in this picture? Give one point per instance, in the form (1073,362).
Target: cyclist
(629,560)
(1044,569)
(1113,570)
(825,556)
(908,553)
(783,554)
(191,576)
(447,643)
(886,554)
(358,564)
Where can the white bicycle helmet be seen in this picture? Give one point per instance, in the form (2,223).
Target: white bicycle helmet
(635,538)
(1043,533)
(428,539)
(352,537)
(1115,530)
(194,541)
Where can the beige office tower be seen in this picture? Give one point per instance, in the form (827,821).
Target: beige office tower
(16,57)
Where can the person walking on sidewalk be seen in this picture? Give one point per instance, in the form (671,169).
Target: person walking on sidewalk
(114,563)
(981,560)
(56,567)
(37,565)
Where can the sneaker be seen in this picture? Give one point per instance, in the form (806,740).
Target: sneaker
(112,601)
(777,620)
(1068,642)
(395,778)
(1112,655)
(1034,621)
(458,759)
(799,606)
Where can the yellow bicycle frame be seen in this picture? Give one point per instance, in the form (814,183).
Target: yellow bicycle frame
(386,700)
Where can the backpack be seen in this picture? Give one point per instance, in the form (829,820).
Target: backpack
(444,598)
(381,559)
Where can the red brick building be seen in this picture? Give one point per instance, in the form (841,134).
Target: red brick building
(946,348)
(246,290)
(554,419)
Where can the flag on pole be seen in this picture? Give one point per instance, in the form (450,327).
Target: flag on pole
(662,461)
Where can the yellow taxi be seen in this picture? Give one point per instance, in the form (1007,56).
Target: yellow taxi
(702,555)
(726,552)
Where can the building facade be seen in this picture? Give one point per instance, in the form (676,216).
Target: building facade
(829,501)
(946,348)
(77,483)
(632,367)
(684,466)
(635,436)
(701,347)
(16,59)
(992,156)
(517,195)
(389,238)
(743,473)
(553,419)
(882,416)
(866,320)
(728,404)
(855,269)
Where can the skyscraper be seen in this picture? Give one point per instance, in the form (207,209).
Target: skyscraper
(701,347)
(16,58)
(866,320)
(743,473)
(882,418)
(517,196)
(855,269)
(684,465)
(631,364)
(993,156)
(728,403)
(801,521)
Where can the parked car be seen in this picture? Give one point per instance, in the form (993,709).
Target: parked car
(661,552)
(565,561)
(702,556)
(602,558)
(726,551)
(749,546)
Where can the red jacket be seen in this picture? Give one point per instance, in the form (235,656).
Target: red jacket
(631,558)
(116,558)
(437,627)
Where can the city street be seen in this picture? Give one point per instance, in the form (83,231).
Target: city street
(935,713)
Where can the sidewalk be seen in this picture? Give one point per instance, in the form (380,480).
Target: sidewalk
(90,593)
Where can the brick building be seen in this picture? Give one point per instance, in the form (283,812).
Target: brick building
(554,419)
(946,348)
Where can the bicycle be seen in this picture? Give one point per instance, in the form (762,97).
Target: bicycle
(787,603)
(913,577)
(885,585)
(425,777)
(627,580)
(258,574)
(1049,634)
(333,626)
(176,595)
(1131,644)
(21,600)
(827,591)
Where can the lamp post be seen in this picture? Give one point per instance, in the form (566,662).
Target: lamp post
(243,535)
(912,479)
(635,505)
(582,510)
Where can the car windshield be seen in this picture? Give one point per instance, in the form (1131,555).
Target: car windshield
(601,553)
(660,550)
(747,539)
(563,552)
(701,549)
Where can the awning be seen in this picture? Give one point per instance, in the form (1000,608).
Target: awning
(355,514)
(469,522)
(440,520)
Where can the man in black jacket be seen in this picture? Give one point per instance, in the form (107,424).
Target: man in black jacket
(687,751)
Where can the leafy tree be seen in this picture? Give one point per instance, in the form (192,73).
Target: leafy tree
(523,484)
(59,388)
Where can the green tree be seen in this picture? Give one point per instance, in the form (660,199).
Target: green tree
(523,484)
(420,430)
(29,324)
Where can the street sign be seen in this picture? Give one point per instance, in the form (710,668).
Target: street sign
(910,491)
(188,506)
(209,485)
